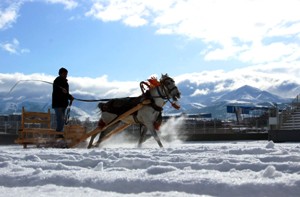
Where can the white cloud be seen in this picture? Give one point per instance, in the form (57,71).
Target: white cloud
(10,47)
(262,76)
(251,31)
(237,29)
(273,52)
(223,53)
(132,13)
(200,92)
(101,87)
(9,15)
(135,21)
(69,4)
(13,47)
(202,77)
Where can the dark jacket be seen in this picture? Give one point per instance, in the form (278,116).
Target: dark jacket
(59,98)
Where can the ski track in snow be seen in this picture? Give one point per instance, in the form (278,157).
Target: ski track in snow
(243,168)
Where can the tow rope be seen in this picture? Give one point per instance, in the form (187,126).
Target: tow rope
(68,110)
(27,80)
(78,99)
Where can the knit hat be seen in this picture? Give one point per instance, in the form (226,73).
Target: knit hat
(62,70)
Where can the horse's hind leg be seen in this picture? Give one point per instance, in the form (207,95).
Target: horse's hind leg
(109,132)
(102,135)
(101,125)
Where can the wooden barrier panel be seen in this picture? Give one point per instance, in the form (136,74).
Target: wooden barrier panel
(35,128)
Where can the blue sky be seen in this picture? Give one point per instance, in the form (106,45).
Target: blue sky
(46,36)
(130,40)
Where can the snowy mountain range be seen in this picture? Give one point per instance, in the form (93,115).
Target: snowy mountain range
(195,99)
(217,102)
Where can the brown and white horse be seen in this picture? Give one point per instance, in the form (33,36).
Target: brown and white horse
(158,92)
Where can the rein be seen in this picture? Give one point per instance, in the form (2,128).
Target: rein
(92,100)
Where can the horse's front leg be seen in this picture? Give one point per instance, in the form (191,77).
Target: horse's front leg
(154,134)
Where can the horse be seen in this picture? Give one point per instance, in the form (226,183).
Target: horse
(149,115)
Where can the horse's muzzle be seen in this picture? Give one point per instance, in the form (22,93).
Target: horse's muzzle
(176,97)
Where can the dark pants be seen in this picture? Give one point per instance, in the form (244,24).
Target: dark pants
(60,118)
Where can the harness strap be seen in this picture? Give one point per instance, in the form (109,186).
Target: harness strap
(147,95)
(156,107)
(160,94)
(136,120)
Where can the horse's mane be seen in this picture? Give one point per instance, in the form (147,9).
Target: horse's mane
(153,82)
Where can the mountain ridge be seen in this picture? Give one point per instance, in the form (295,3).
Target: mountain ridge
(208,102)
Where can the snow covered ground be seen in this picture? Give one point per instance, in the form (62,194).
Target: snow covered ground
(243,168)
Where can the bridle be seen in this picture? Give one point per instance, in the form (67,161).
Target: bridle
(164,93)
(165,89)
(168,91)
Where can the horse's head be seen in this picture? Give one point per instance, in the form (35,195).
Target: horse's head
(170,87)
